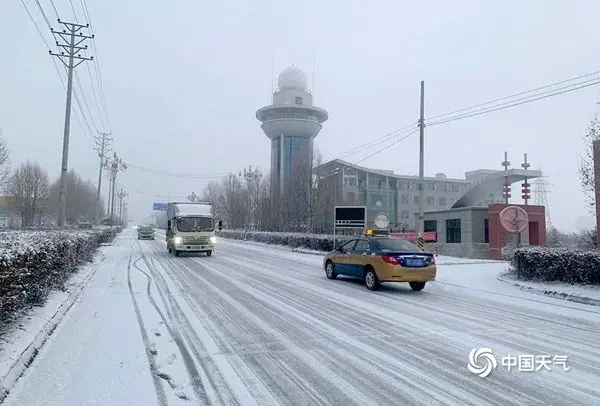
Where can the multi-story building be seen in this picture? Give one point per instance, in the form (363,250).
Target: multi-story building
(398,195)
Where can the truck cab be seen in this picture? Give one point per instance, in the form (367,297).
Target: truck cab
(190,228)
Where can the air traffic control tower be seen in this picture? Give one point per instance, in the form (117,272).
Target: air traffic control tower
(291,123)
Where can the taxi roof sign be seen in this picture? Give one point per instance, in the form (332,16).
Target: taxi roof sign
(371,232)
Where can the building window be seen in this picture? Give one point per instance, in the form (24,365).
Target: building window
(298,100)
(350,181)
(415,199)
(411,185)
(486,227)
(432,186)
(442,201)
(453,231)
(454,187)
(430,226)
(404,214)
(404,199)
(430,200)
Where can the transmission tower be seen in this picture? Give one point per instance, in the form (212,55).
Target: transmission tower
(540,196)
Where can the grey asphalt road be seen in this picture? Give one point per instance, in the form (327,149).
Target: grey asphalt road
(264,326)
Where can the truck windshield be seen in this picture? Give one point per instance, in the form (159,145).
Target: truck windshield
(195,224)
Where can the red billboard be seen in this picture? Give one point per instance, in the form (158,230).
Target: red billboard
(430,236)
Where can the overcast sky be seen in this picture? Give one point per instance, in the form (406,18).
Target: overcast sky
(182,81)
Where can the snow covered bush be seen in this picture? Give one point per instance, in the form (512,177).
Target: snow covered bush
(34,263)
(318,242)
(557,264)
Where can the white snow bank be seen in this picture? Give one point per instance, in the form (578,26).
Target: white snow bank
(588,294)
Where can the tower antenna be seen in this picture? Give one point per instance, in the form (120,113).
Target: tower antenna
(273,73)
(313,79)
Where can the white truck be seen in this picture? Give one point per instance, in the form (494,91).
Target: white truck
(190,228)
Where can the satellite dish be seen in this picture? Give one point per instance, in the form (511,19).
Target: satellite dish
(382,220)
(514,219)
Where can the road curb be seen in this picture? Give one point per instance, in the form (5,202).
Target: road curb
(26,358)
(549,293)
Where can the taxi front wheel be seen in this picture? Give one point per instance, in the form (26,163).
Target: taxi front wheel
(371,280)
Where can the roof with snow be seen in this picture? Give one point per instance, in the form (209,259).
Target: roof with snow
(191,209)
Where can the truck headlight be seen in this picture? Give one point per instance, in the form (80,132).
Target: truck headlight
(177,240)
(213,240)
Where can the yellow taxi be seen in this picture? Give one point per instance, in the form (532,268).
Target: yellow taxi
(380,258)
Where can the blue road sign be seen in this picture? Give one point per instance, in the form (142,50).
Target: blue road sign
(159,206)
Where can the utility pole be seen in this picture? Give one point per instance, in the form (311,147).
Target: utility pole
(114,164)
(596,147)
(71,58)
(121,195)
(102,147)
(421,221)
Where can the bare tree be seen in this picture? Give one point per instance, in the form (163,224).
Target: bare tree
(586,164)
(28,189)
(4,161)
(80,198)
(211,193)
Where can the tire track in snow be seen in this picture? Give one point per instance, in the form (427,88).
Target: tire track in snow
(404,382)
(158,387)
(206,384)
(219,374)
(274,277)
(175,336)
(344,392)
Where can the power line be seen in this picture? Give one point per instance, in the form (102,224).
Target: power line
(149,194)
(515,95)
(391,135)
(566,89)
(471,111)
(73,9)
(96,65)
(388,146)
(178,175)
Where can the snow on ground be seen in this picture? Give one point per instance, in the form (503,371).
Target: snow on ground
(96,355)
(23,338)
(256,324)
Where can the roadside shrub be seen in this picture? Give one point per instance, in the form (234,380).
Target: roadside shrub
(317,242)
(34,263)
(557,264)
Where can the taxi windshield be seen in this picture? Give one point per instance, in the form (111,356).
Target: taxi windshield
(396,244)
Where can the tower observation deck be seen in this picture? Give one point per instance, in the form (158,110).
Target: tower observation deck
(291,123)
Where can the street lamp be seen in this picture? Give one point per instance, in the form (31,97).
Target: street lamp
(252,176)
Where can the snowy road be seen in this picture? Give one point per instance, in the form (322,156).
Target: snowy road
(260,326)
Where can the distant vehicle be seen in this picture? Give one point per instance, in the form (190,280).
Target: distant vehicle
(377,259)
(145,232)
(190,228)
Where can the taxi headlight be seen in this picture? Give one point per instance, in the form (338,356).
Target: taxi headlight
(213,240)
(177,240)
